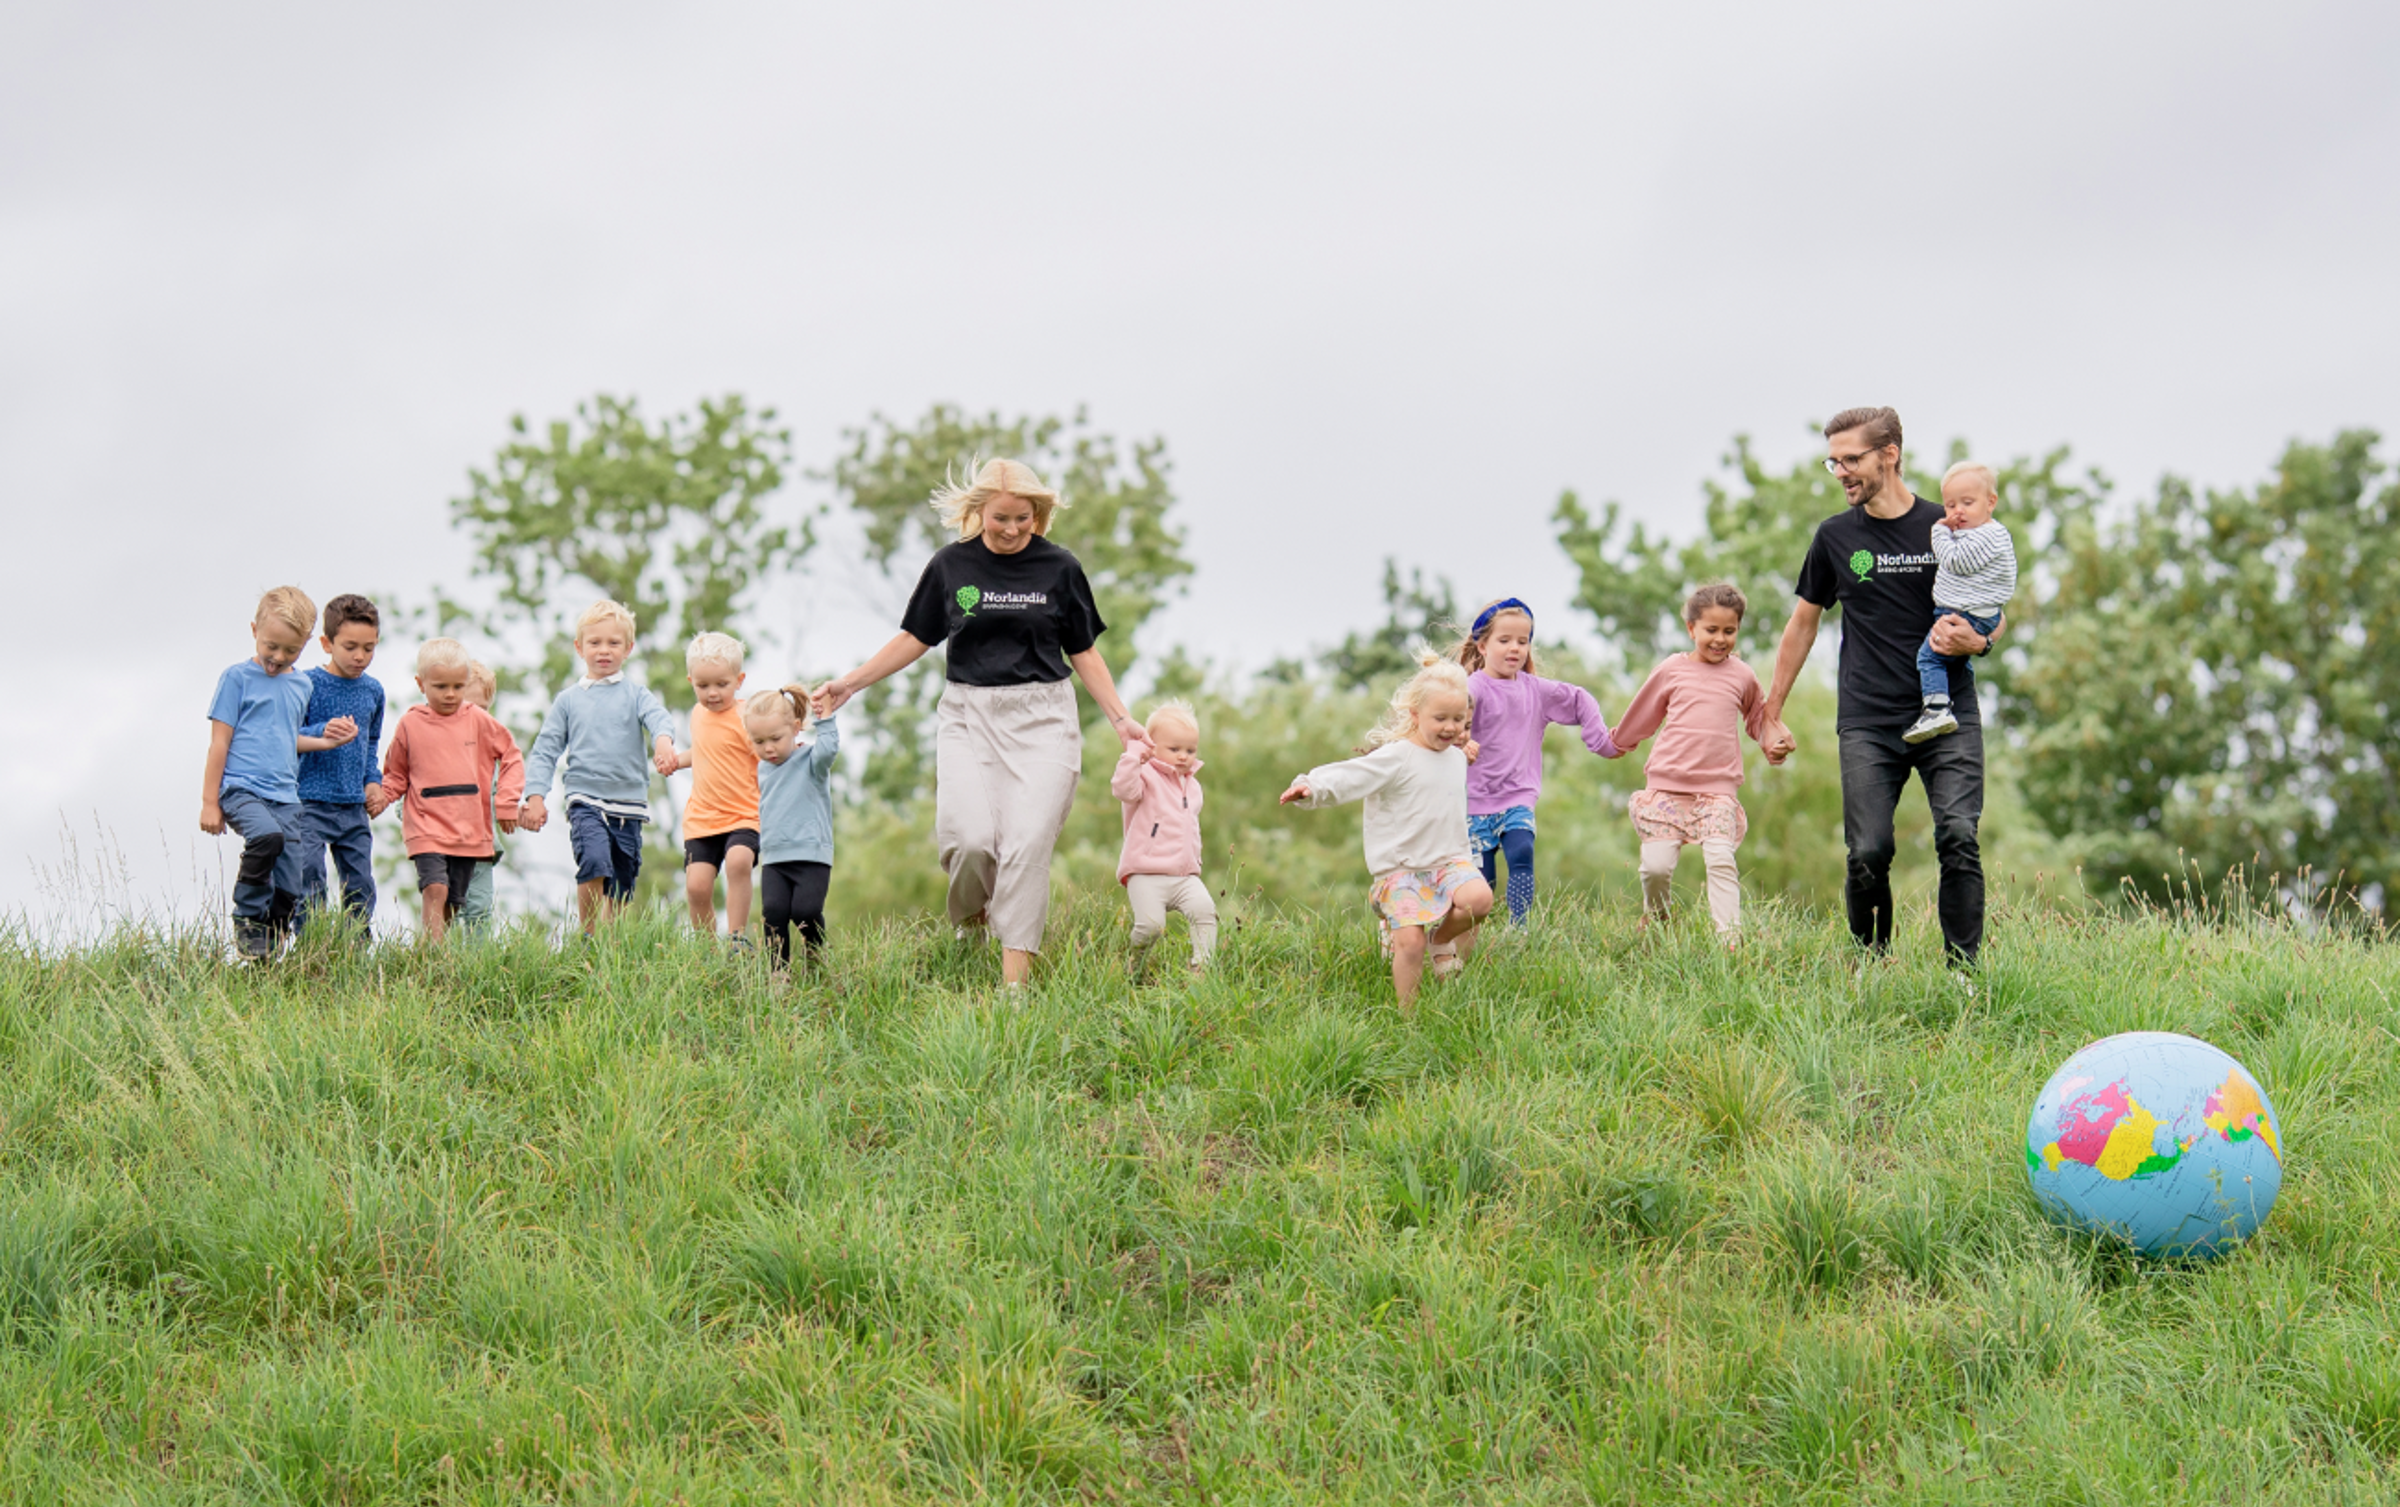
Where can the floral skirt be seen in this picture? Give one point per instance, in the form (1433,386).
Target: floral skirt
(1674,816)
(1421,897)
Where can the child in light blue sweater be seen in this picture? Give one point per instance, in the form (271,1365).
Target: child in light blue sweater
(597,724)
(795,814)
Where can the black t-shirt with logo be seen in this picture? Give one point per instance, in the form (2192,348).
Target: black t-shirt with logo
(1008,619)
(1881,572)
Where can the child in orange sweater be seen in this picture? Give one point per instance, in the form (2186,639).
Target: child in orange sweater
(1699,704)
(442,764)
(720,820)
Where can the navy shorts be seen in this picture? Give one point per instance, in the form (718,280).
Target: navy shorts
(608,848)
(712,848)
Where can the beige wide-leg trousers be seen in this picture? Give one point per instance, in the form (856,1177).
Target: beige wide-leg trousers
(1006,759)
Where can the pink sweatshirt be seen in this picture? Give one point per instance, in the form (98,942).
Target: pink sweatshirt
(1162,817)
(442,768)
(1699,712)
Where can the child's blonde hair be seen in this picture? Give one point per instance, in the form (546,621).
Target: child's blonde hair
(444,654)
(481,682)
(1976,469)
(1173,709)
(713,649)
(290,606)
(784,701)
(607,612)
(1434,673)
(961,504)
(1468,651)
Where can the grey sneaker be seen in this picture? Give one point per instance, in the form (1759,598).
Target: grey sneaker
(254,939)
(1935,721)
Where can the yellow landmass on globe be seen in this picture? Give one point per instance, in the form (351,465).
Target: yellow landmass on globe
(2128,1142)
(2240,1108)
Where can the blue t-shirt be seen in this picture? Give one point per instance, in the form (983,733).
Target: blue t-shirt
(340,776)
(264,712)
(795,802)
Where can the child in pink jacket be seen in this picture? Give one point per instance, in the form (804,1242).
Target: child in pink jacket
(1160,863)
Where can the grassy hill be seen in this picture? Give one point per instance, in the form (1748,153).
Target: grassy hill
(1611,1219)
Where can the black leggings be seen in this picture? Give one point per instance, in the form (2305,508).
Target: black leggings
(795,893)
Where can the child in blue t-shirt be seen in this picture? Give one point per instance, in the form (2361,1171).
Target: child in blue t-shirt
(341,786)
(252,781)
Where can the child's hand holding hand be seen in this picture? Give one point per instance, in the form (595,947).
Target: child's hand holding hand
(508,824)
(532,815)
(212,818)
(340,731)
(377,801)
(663,755)
(828,698)
(1473,748)
(1298,792)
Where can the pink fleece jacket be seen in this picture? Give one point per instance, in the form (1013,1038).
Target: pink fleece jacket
(1699,712)
(1162,817)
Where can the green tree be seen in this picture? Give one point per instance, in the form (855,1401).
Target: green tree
(1118,498)
(1415,612)
(2217,678)
(674,519)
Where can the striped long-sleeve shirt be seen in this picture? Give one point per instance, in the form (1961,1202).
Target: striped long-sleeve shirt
(1976,568)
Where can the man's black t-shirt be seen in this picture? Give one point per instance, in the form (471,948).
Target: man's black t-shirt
(1009,619)
(1881,572)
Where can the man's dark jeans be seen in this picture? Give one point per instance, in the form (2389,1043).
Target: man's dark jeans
(1875,767)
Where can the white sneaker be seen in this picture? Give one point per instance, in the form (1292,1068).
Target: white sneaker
(1445,961)
(1935,722)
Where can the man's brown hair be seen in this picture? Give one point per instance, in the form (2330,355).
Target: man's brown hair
(349,607)
(1881,424)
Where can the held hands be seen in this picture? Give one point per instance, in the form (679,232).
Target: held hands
(212,818)
(1779,742)
(1473,749)
(508,824)
(339,731)
(1298,792)
(830,696)
(662,754)
(377,801)
(1131,734)
(531,816)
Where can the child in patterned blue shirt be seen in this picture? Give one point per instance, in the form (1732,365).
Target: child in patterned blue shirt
(341,787)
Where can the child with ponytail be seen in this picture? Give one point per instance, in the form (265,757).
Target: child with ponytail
(1513,708)
(795,814)
(1699,704)
(1413,778)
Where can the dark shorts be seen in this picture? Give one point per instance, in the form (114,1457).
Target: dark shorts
(450,870)
(607,848)
(711,849)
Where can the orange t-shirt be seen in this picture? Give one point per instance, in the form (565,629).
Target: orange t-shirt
(724,775)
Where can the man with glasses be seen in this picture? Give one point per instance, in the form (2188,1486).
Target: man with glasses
(1876,560)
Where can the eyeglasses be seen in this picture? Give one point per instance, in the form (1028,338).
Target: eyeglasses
(1837,464)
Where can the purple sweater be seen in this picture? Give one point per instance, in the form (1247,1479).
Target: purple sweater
(1510,717)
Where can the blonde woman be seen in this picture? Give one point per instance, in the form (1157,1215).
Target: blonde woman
(1017,616)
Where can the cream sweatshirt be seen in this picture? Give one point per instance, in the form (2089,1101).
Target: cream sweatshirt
(1416,816)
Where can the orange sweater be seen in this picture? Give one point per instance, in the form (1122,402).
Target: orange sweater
(442,768)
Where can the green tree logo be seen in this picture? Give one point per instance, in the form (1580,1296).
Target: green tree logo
(968,596)
(1863,562)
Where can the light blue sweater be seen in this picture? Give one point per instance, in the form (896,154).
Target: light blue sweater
(795,802)
(599,730)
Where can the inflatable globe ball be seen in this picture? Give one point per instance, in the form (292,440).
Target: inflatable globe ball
(2158,1140)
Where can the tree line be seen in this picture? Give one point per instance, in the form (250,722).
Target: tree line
(2196,688)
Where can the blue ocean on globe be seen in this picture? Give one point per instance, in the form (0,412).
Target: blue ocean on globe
(2159,1140)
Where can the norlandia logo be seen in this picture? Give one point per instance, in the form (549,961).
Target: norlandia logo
(968,596)
(1863,563)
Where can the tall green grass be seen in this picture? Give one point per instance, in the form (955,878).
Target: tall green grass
(1611,1219)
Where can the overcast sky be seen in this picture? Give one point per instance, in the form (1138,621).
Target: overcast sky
(1385,277)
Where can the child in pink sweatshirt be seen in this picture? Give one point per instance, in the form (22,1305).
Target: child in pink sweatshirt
(1160,863)
(1699,704)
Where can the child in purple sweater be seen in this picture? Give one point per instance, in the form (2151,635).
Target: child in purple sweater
(1513,708)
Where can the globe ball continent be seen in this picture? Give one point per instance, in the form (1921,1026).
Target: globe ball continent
(2158,1140)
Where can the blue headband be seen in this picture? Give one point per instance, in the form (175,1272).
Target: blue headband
(1484,618)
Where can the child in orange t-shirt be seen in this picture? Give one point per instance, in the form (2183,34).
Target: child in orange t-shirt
(720,821)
